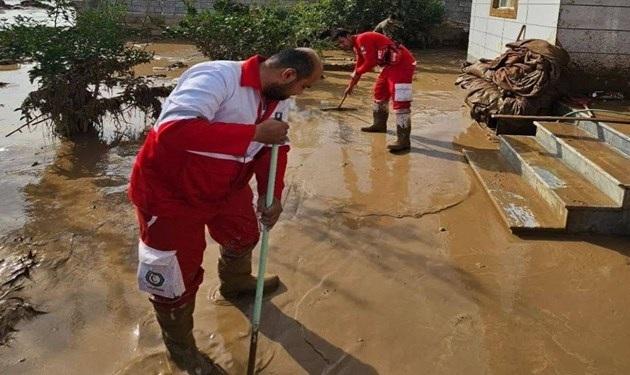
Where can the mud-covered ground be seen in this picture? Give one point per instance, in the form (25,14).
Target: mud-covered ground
(390,264)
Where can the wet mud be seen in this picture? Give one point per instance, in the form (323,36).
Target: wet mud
(389,264)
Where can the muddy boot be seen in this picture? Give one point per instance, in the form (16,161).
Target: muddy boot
(403,132)
(177,324)
(380,113)
(235,275)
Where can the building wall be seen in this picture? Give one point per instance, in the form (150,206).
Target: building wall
(488,35)
(458,11)
(164,6)
(171,11)
(596,33)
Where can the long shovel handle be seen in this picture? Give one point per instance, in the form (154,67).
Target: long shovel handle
(262,264)
(342,100)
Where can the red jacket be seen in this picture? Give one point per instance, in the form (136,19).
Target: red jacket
(372,49)
(201,148)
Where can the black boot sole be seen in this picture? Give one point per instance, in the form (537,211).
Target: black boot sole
(400,150)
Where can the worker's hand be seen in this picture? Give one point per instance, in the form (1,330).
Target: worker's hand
(269,216)
(354,79)
(271,131)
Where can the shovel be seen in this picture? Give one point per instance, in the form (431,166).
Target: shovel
(338,108)
(262,264)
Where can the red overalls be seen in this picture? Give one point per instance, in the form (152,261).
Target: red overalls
(372,49)
(178,193)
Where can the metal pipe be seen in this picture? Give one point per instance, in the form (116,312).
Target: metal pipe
(558,118)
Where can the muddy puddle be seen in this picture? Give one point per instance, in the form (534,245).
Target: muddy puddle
(389,264)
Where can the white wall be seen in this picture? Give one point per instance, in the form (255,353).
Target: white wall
(488,35)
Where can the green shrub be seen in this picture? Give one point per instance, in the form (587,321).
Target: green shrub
(83,68)
(235,31)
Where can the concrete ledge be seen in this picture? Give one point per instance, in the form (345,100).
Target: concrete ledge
(530,176)
(605,222)
(339,66)
(589,170)
(519,206)
(602,130)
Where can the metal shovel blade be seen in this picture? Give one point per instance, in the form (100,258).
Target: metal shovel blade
(339,109)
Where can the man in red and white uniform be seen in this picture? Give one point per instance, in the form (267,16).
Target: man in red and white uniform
(375,49)
(193,171)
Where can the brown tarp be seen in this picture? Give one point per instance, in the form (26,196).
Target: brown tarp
(525,80)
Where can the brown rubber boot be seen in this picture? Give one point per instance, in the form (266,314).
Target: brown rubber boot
(235,275)
(403,133)
(177,324)
(380,113)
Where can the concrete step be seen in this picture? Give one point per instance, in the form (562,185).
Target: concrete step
(587,209)
(556,179)
(615,135)
(601,164)
(519,205)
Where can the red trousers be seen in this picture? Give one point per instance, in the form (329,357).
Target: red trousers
(235,228)
(395,81)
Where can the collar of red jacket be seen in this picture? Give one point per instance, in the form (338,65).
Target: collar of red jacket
(250,72)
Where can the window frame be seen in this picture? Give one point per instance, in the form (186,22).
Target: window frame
(508,12)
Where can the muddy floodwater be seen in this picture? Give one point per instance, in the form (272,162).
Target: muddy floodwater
(389,264)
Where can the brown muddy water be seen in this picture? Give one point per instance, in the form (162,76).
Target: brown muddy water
(390,264)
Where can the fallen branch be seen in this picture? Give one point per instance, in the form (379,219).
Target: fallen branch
(27,124)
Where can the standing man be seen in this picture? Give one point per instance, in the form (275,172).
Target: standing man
(193,171)
(390,27)
(372,49)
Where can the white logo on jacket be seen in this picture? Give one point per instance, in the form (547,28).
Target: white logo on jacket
(159,272)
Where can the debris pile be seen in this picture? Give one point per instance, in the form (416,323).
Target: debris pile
(525,80)
(13,307)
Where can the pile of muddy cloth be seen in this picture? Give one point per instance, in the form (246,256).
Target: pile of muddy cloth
(525,80)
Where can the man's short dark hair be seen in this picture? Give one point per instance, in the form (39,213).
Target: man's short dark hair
(293,58)
(339,33)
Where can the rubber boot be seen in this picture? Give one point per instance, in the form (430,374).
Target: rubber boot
(235,275)
(177,325)
(403,133)
(380,113)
